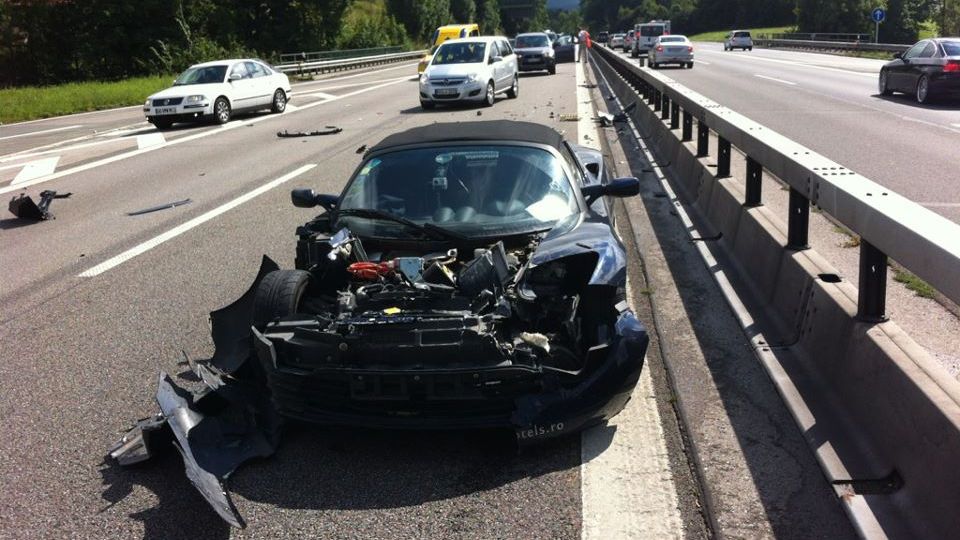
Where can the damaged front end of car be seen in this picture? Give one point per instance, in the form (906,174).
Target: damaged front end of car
(530,333)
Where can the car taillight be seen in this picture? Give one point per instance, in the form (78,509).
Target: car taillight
(689,48)
(659,48)
(951,67)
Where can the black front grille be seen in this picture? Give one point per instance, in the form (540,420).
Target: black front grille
(446,82)
(167,101)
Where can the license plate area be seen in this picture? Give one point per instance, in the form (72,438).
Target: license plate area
(165,110)
(446,92)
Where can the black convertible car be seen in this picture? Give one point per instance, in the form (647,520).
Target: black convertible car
(468,276)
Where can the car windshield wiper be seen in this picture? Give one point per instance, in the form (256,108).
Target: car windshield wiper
(429,229)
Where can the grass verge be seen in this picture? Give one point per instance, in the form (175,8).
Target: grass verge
(32,102)
(719,34)
(912,282)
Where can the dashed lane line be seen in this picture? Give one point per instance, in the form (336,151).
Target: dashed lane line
(150,139)
(41,132)
(195,222)
(774,79)
(36,169)
(800,64)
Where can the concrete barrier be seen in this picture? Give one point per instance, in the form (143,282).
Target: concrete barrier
(882,416)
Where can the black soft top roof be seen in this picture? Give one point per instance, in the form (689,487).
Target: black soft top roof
(486,131)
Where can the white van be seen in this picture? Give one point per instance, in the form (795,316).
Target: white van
(646,34)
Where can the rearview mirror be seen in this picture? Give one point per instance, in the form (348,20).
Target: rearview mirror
(495,59)
(307,198)
(618,187)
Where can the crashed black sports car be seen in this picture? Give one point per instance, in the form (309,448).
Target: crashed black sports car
(468,276)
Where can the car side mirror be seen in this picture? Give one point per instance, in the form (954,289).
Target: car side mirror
(618,187)
(897,56)
(307,198)
(495,59)
(235,77)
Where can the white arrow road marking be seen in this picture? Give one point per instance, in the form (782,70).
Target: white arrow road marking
(39,132)
(199,220)
(150,139)
(702,62)
(36,169)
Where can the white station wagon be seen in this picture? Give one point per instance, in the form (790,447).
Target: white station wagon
(216,90)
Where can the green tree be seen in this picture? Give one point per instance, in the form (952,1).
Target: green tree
(844,16)
(367,23)
(464,11)
(488,16)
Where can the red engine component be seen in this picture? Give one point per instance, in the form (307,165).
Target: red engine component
(370,271)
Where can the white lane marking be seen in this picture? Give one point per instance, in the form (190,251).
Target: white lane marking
(626,484)
(955,125)
(774,79)
(322,95)
(207,133)
(41,132)
(939,204)
(702,62)
(798,64)
(150,139)
(36,169)
(59,150)
(73,115)
(184,227)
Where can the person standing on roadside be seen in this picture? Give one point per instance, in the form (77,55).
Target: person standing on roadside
(584,43)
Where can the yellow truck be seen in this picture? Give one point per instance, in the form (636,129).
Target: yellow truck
(450,31)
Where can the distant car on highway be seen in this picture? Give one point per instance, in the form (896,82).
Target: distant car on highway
(603,37)
(564,49)
(646,34)
(628,41)
(216,90)
(616,41)
(929,69)
(470,70)
(535,53)
(738,39)
(675,49)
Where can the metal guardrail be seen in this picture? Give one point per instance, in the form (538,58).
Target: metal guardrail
(316,56)
(888,224)
(830,45)
(323,66)
(819,36)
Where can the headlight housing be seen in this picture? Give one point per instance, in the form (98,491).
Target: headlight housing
(549,53)
(424,78)
(146,104)
(473,77)
(194,99)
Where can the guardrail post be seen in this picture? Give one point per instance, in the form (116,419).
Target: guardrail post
(664,106)
(674,115)
(657,100)
(650,94)
(798,221)
(754,185)
(703,139)
(872,300)
(723,158)
(687,134)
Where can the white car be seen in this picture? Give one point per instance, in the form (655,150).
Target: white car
(616,41)
(470,70)
(675,49)
(738,39)
(216,90)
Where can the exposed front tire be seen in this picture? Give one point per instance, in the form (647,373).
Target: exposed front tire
(923,90)
(883,85)
(279,103)
(221,110)
(514,90)
(279,295)
(162,124)
(491,95)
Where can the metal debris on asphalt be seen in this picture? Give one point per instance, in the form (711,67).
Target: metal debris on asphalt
(362,149)
(160,207)
(24,208)
(329,130)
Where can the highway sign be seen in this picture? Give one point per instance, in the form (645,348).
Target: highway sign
(878,15)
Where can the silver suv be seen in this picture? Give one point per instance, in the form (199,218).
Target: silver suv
(738,39)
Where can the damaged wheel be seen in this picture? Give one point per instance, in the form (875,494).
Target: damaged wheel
(279,295)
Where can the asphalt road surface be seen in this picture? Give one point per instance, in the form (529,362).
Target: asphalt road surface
(96,302)
(830,104)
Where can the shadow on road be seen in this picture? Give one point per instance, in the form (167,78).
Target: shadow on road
(938,104)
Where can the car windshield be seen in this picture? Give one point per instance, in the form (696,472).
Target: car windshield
(201,75)
(672,39)
(532,41)
(477,191)
(952,48)
(460,53)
